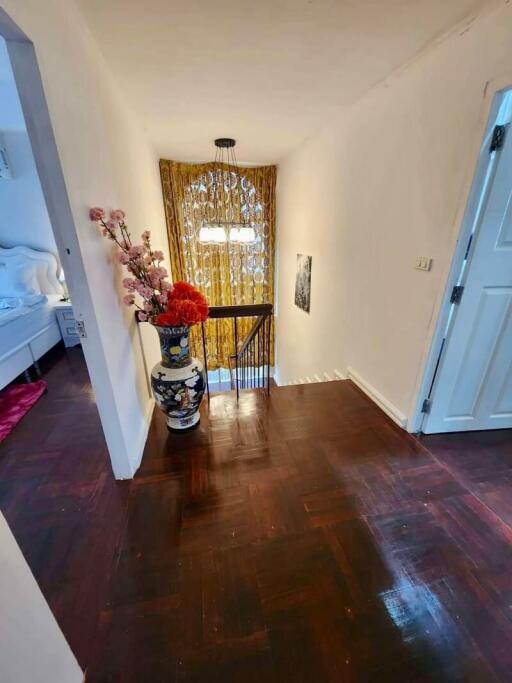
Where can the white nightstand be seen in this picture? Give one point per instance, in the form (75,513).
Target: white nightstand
(67,323)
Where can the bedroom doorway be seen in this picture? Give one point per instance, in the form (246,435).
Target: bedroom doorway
(27,78)
(35,313)
(37,325)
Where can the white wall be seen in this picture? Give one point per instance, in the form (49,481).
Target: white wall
(380,185)
(23,214)
(105,161)
(32,647)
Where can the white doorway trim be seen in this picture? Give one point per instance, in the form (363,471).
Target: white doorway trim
(39,127)
(497,111)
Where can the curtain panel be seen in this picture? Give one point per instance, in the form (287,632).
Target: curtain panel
(227,274)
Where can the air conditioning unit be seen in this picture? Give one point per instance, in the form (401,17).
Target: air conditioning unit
(5,166)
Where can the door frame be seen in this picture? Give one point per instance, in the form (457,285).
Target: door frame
(497,109)
(51,176)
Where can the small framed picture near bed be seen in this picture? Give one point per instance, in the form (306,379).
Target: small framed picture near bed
(303,282)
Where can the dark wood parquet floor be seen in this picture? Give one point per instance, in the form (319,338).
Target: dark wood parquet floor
(303,538)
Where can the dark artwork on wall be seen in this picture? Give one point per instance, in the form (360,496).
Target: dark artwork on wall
(303,282)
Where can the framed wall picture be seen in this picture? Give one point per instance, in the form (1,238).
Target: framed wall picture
(303,282)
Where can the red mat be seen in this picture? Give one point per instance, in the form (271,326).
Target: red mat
(15,402)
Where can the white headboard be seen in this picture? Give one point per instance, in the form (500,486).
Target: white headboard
(46,266)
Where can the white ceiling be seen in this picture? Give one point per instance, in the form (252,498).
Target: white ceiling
(266,72)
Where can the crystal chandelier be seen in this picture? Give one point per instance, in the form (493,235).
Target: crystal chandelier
(228,213)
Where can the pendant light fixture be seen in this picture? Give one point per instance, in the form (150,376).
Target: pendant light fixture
(229,217)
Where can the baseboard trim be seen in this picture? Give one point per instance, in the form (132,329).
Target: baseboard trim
(313,379)
(391,410)
(144,435)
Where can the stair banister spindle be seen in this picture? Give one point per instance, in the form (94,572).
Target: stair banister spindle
(264,351)
(236,358)
(259,360)
(205,360)
(262,357)
(268,354)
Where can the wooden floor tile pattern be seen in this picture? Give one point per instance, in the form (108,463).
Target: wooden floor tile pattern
(300,538)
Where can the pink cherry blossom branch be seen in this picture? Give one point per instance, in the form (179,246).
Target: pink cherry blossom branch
(141,261)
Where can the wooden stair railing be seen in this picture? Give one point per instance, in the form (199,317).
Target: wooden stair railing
(249,364)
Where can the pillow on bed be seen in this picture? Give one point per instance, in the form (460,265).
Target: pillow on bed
(17,279)
(19,301)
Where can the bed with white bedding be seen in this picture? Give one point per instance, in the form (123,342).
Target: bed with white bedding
(29,291)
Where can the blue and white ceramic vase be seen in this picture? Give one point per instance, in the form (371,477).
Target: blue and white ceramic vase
(178,380)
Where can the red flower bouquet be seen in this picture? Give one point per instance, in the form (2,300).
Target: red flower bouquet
(186,306)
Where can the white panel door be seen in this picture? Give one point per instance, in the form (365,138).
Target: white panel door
(473,386)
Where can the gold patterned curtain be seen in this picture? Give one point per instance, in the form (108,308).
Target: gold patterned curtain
(228,274)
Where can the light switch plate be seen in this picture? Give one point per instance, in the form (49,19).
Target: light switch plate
(423,263)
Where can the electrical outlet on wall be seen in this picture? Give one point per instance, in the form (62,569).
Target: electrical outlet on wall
(423,263)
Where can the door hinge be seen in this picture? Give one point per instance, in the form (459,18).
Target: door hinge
(456,296)
(80,328)
(427,403)
(498,138)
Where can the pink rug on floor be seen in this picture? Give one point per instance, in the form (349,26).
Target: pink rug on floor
(15,402)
